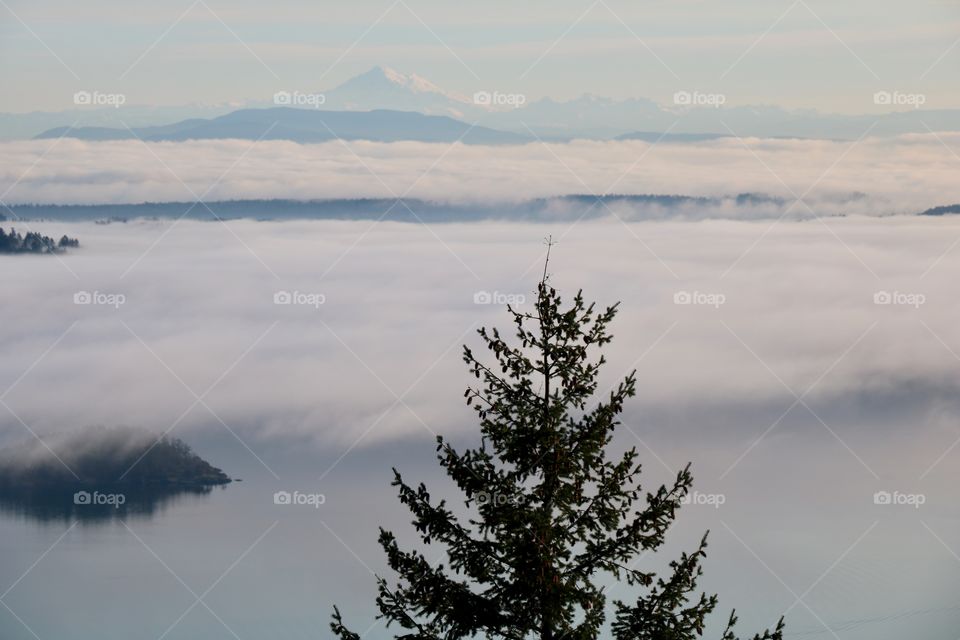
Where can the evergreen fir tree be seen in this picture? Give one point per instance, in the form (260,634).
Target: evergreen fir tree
(556,515)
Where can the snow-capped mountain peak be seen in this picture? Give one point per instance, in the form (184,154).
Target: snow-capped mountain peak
(394,89)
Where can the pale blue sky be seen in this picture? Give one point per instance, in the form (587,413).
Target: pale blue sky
(803,54)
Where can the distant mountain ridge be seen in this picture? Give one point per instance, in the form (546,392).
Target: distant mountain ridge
(599,117)
(304,126)
(587,116)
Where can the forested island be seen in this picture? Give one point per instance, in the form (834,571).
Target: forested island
(33,242)
(116,458)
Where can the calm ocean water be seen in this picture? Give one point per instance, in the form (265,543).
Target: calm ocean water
(233,564)
(227,564)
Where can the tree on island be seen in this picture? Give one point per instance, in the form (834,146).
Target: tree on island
(556,514)
(120,457)
(33,242)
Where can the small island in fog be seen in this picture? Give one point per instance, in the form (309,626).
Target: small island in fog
(33,242)
(119,457)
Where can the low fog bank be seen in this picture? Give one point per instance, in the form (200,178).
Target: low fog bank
(314,356)
(330,332)
(64,450)
(872,176)
(557,209)
(117,456)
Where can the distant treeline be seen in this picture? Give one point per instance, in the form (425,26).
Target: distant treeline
(629,207)
(33,242)
(950,209)
(552,209)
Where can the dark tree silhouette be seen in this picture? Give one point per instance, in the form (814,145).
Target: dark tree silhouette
(556,514)
(66,241)
(33,242)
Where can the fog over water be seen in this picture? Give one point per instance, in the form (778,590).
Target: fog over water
(253,244)
(363,368)
(904,174)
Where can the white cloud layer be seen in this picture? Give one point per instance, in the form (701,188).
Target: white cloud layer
(798,316)
(797,312)
(900,175)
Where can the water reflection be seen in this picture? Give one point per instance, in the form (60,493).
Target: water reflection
(100,505)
